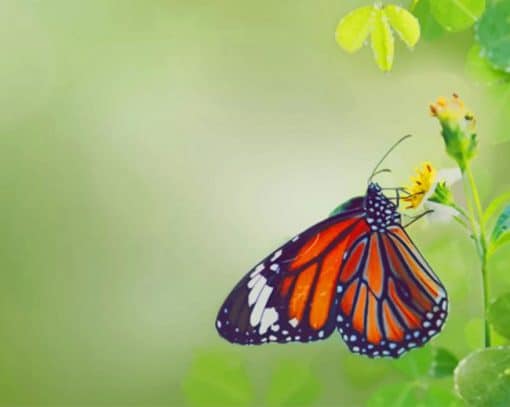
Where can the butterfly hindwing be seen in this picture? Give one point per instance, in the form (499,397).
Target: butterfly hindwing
(392,300)
(291,295)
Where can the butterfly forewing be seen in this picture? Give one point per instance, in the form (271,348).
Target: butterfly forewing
(291,294)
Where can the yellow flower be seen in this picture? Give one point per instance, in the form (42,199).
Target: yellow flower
(458,128)
(453,111)
(421,185)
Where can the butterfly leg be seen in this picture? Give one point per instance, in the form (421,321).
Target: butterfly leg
(398,191)
(418,217)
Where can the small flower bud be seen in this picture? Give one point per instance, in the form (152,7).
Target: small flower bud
(458,128)
(442,195)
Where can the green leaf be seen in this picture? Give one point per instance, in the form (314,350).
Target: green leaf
(430,29)
(436,396)
(404,23)
(292,384)
(502,240)
(415,364)
(443,363)
(483,377)
(353,29)
(481,71)
(494,206)
(395,395)
(413,394)
(502,226)
(493,34)
(217,379)
(383,44)
(457,15)
(499,315)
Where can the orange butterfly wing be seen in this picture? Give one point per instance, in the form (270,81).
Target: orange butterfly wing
(393,301)
(292,294)
(358,271)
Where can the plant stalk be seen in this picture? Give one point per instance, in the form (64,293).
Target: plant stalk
(481,243)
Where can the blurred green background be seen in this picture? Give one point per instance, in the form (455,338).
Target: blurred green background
(153,151)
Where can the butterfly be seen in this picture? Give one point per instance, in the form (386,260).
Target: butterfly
(357,272)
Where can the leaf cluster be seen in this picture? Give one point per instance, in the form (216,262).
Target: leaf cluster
(220,378)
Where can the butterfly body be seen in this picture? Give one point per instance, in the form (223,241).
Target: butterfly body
(357,272)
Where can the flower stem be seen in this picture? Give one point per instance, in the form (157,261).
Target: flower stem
(482,247)
(486,301)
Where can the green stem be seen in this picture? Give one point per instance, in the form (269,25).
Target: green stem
(485,283)
(482,247)
(461,211)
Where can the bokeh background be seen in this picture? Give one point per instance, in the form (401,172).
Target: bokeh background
(153,151)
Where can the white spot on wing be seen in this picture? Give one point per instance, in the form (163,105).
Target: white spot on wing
(253,281)
(275,267)
(255,290)
(257,270)
(269,317)
(293,322)
(276,255)
(258,309)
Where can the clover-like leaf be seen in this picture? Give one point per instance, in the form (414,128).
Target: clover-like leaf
(499,315)
(378,22)
(457,15)
(435,395)
(479,68)
(395,395)
(501,229)
(412,394)
(443,363)
(354,28)
(429,27)
(217,379)
(415,364)
(404,23)
(383,44)
(493,34)
(483,377)
(292,384)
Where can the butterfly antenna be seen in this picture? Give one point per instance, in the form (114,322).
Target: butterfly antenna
(395,145)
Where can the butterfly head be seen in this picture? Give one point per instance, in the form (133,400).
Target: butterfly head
(381,212)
